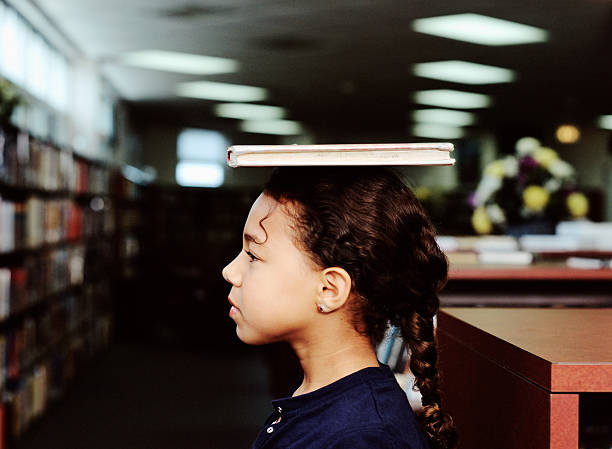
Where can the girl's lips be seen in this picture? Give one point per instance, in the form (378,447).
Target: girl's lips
(233,310)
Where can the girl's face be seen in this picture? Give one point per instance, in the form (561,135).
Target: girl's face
(274,285)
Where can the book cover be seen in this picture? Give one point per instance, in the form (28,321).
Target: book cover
(340,154)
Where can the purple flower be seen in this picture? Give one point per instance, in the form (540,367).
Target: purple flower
(471,199)
(527,163)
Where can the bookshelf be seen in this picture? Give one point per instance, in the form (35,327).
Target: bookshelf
(185,244)
(56,227)
(132,222)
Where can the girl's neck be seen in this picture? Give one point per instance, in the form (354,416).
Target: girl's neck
(327,362)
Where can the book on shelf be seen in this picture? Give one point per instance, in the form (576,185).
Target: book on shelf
(590,236)
(451,243)
(7,226)
(549,243)
(589,263)
(37,221)
(340,154)
(26,162)
(505,258)
(5,292)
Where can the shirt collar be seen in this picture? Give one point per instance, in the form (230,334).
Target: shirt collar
(329,392)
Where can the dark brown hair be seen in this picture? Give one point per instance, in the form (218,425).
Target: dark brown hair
(367,221)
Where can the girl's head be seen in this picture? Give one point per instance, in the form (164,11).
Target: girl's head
(361,232)
(368,222)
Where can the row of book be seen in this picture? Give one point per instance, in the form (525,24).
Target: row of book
(35,336)
(38,221)
(27,402)
(39,277)
(28,162)
(25,398)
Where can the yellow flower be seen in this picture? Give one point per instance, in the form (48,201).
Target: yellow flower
(544,156)
(577,204)
(422,193)
(535,198)
(495,169)
(481,222)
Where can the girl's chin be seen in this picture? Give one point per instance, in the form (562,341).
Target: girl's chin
(251,339)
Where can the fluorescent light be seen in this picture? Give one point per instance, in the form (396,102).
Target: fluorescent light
(479,29)
(448,98)
(202,145)
(197,174)
(437,131)
(605,121)
(279,127)
(247,111)
(463,72)
(210,90)
(444,117)
(171,61)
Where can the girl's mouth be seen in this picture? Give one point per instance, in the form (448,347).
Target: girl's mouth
(234,309)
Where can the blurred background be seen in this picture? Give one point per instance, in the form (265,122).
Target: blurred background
(118,212)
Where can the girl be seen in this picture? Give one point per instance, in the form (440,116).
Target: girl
(331,257)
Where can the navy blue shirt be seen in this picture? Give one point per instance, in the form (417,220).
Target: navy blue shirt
(366,409)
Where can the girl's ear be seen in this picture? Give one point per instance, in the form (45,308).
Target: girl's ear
(334,289)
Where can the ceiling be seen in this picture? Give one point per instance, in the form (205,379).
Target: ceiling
(346,64)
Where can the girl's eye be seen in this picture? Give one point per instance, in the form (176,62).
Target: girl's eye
(251,256)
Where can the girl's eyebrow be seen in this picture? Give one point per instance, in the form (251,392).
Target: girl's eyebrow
(250,238)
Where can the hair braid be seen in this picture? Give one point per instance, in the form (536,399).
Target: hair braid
(418,333)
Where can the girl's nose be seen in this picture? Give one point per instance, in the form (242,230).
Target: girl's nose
(230,273)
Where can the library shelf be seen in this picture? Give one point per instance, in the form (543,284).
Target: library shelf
(56,255)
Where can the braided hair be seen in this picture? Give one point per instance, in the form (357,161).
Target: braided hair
(367,221)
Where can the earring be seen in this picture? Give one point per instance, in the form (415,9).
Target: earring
(321,308)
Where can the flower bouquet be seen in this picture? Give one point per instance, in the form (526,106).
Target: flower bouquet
(534,185)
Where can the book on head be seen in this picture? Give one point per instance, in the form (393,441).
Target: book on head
(340,154)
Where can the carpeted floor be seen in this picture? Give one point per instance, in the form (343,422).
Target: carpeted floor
(138,396)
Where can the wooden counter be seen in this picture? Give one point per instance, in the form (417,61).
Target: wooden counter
(512,377)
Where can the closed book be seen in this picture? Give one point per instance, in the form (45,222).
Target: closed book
(34,222)
(340,154)
(5,292)
(496,243)
(505,258)
(7,226)
(544,243)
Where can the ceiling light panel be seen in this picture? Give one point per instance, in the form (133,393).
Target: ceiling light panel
(277,127)
(209,90)
(448,98)
(245,111)
(605,121)
(444,116)
(463,72)
(199,174)
(170,61)
(435,131)
(480,29)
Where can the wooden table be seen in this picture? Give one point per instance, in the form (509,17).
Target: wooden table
(512,377)
(530,272)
